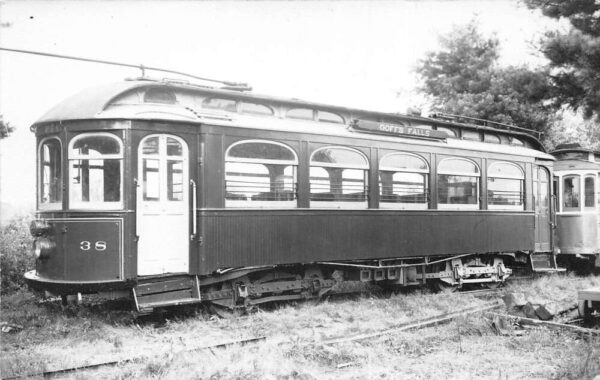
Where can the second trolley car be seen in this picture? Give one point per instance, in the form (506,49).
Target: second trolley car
(576,184)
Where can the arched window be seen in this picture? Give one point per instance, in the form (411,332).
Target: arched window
(471,135)
(50,172)
(458,184)
(403,182)
(505,187)
(255,109)
(449,131)
(228,105)
(260,174)
(491,138)
(330,117)
(95,171)
(300,114)
(338,178)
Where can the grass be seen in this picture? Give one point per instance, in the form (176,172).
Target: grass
(55,337)
(15,254)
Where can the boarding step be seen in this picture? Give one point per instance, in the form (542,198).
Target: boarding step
(545,262)
(155,292)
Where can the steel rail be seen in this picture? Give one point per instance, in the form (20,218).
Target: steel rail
(63,371)
(556,325)
(418,324)
(140,66)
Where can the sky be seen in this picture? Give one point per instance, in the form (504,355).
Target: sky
(349,53)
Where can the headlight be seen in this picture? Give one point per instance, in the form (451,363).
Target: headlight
(39,227)
(43,248)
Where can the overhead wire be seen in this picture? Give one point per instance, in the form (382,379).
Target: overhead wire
(140,66)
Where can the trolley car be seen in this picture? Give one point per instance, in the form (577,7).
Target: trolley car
(174,193)
(576,183)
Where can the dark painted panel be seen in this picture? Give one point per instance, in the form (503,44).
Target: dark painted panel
(247,238)
(93,249)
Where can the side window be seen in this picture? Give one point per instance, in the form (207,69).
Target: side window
(458,184)
(490,138)
(449,131)
(403,182)
(95,171)
(50,172)
(300,113)
(330,117)
(471,135)
(228,105)
(590,192)
(516,141)
(571,193)
(160,95)
(505,187)
(255,109)
(338,178)
(260,174)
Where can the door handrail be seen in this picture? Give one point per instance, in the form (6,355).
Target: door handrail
(194,206)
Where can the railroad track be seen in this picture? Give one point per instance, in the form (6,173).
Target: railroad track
(63,371)
(416,324)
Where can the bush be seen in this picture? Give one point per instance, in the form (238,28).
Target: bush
(15,254)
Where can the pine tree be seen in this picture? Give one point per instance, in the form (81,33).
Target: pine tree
(574,55)
(464,78)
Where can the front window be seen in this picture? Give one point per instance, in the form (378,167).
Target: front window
(571,193)
(589,191)
(260,174)
(95,171)
(403,182)
(50,172)
(338,178)
(505,187)
(458,184)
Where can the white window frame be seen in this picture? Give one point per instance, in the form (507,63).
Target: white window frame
(336,204)
(460,206)
(80,205)
(233,203)
(402,205)
(521,177)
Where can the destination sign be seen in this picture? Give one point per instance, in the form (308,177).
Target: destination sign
(396,129)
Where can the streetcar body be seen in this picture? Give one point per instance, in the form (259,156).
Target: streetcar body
(169,190)
(577,179)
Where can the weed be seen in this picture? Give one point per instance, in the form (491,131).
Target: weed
(15,254)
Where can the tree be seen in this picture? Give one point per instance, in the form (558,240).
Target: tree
(574,55)
(464,78)
(572,128)
(5,128)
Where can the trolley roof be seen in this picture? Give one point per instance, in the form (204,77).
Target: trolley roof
(574,157)
(144,98)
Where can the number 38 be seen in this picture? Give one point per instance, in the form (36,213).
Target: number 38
(97,245)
